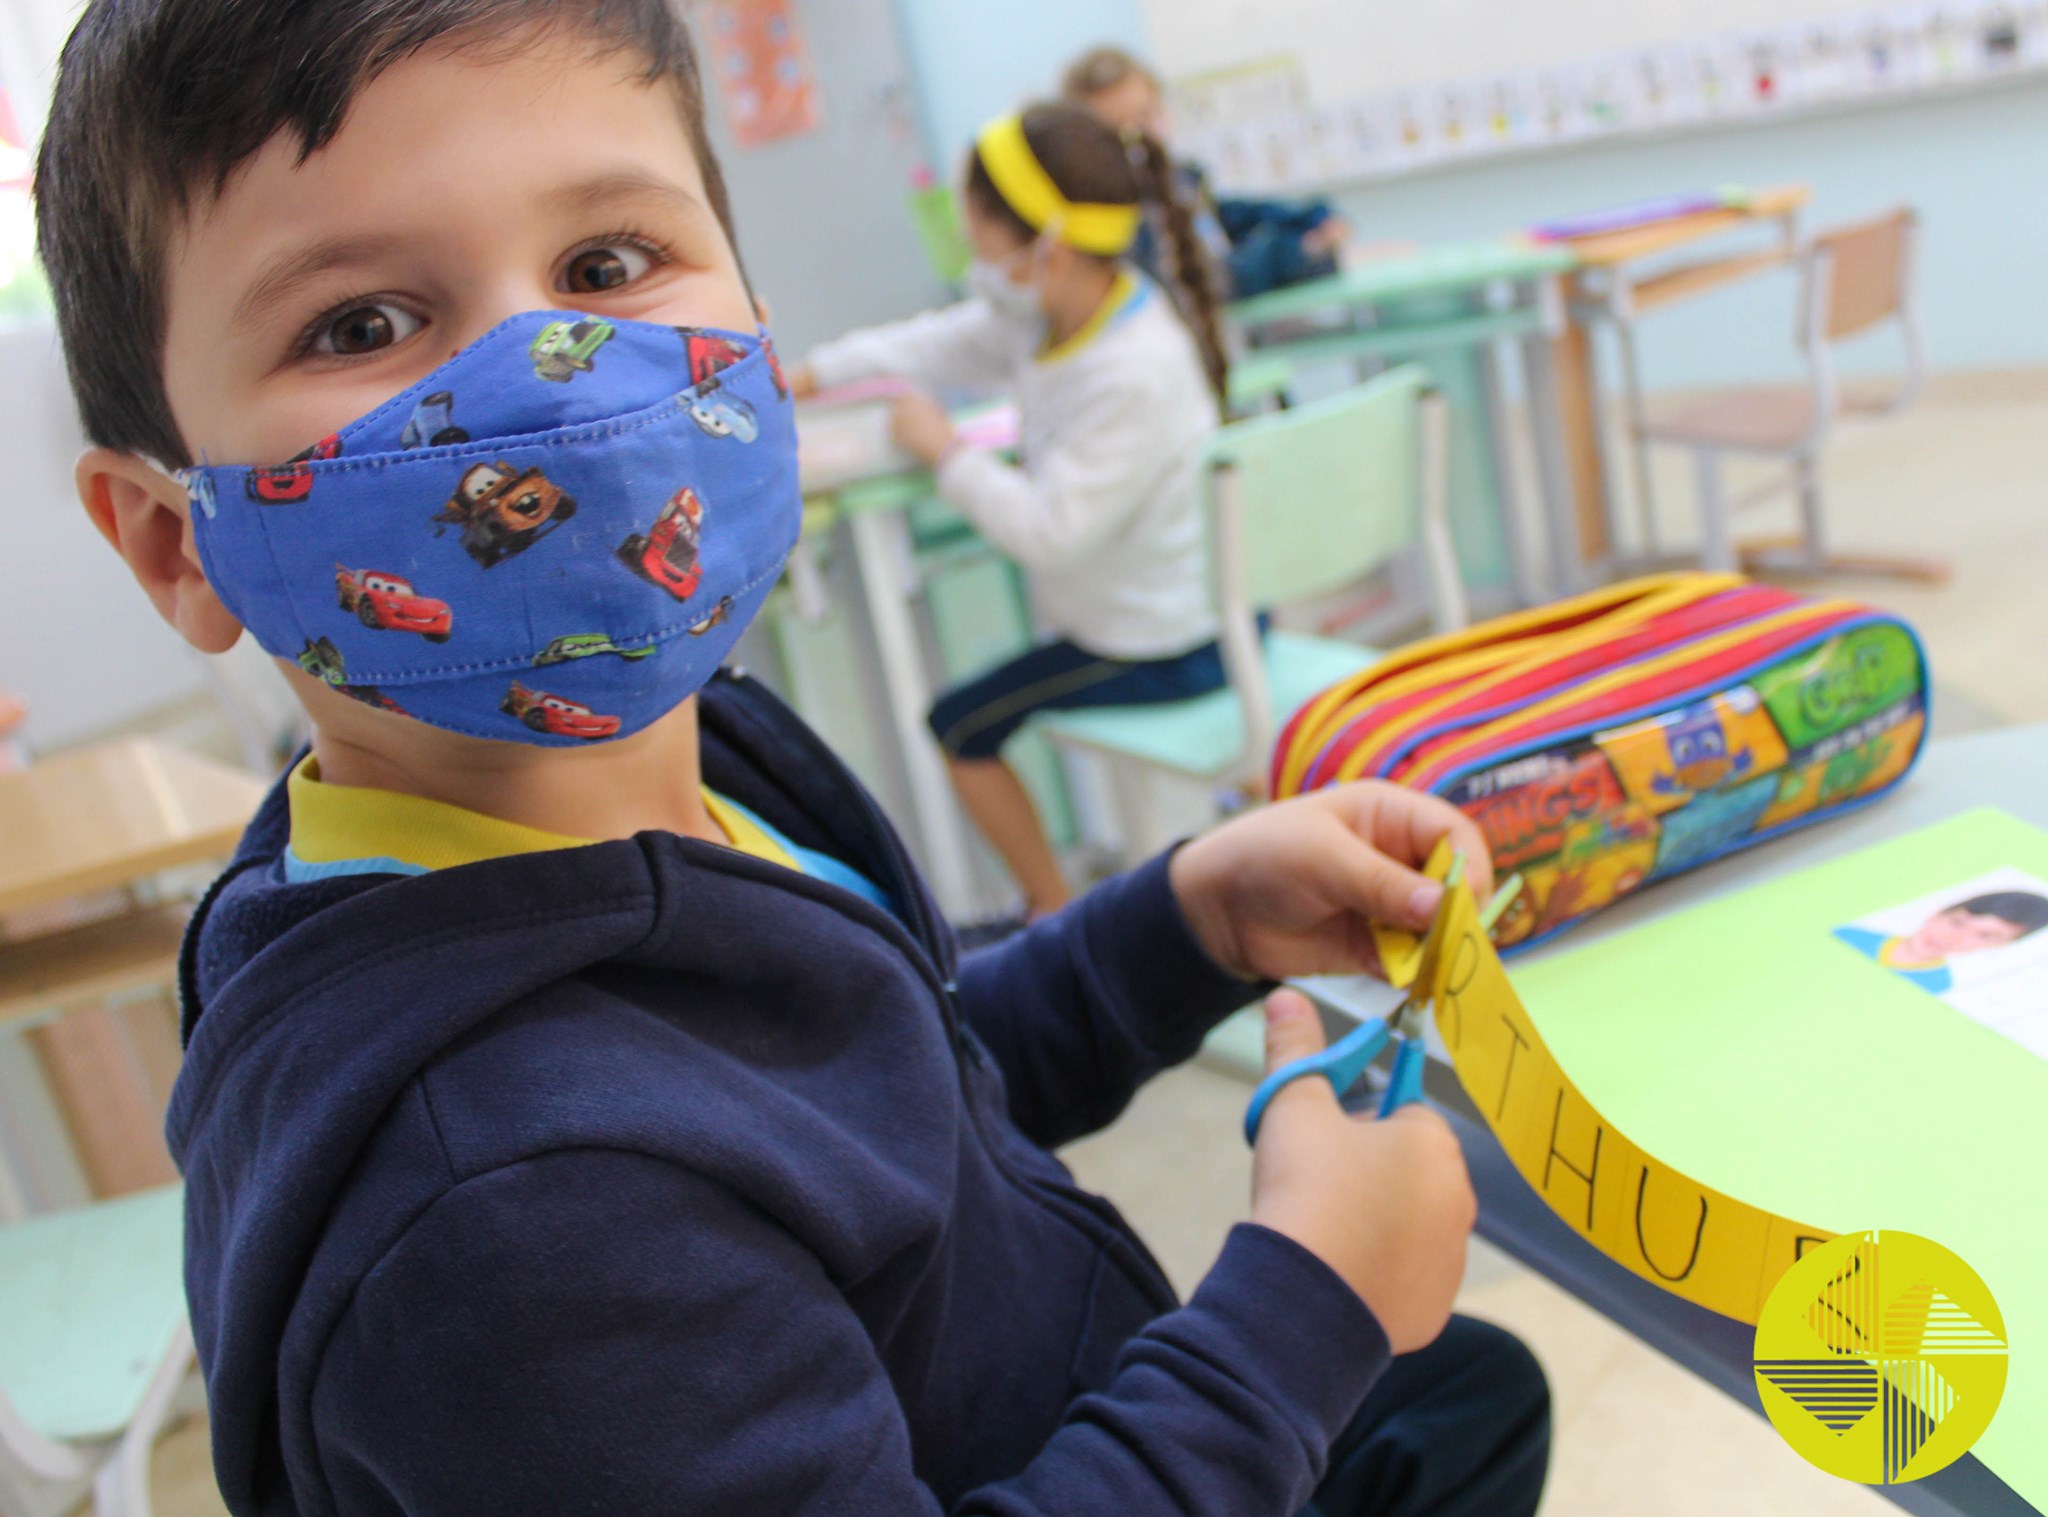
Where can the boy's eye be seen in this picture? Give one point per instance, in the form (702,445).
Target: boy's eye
(606,268)
(366,329)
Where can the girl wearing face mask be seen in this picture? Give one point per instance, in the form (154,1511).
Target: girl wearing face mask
(1119,384)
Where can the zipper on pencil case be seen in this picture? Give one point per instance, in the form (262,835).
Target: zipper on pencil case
(1406,704)
(1594,660)
(1452,709)
(1568,723)
(1470,649)
(1597,701)
(1731,649)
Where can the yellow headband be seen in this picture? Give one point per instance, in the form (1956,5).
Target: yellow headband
(1027,189)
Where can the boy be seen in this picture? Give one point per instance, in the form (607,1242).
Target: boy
(584,1109)
(1972,926)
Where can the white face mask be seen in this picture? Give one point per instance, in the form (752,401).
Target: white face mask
(990,283)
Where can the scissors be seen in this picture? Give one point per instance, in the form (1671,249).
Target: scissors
(1346,1059)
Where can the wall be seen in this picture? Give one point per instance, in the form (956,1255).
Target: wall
(974,61)
(822,218)
(1960,160)
(78,640)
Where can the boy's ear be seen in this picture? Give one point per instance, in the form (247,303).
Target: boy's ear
(147,517)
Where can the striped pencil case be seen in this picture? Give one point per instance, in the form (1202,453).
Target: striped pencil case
(1626,735)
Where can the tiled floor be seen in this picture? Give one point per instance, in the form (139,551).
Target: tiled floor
(1961,475)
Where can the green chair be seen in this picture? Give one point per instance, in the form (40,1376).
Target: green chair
(1301,504)
(93,1346)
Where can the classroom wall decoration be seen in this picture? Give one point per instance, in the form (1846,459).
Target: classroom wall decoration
(1260,131)
(765,75)
(1630,734)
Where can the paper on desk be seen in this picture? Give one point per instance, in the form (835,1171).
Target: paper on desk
(1748,1046)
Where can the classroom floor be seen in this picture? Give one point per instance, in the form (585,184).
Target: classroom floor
(1961,475)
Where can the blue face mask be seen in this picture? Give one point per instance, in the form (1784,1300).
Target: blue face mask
(556,537)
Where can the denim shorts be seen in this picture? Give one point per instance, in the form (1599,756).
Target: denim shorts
(973,720)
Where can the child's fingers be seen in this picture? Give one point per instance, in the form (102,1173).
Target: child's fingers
(1407,825)
(1293,1030)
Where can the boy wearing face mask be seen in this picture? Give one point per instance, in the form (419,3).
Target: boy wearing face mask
(584,1107)
(1119,385)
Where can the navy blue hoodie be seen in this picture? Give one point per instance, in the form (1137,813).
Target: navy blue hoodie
(649,1177)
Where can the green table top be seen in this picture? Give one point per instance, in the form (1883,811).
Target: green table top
(1451,266)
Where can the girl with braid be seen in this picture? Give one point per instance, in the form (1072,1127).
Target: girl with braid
(1253,245)
(1119,385)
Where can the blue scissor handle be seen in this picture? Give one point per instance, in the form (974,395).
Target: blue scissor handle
(1411,1056)
(1341,1063)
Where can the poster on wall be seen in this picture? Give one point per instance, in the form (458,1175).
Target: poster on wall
(765,74)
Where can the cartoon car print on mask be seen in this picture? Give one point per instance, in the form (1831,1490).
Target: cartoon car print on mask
(722,415)
(710,354)
(387,603)
(565,349)
(581,645)
(503,510)
(432,423)
(557,717)
(290,482)
(323,661)
(667,554)
(1700,759)
(720,613)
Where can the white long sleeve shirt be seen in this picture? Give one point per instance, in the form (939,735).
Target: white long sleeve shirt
(1103,509)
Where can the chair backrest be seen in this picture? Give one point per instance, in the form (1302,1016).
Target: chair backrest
(1308,501)
(1321,495)
(1863,275)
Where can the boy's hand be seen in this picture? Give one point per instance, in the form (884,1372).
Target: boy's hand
(1388,1205)
(1288,889)
(921,426)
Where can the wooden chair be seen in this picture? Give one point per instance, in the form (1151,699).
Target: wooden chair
(1302,503)
(1854,280)
(94,1349)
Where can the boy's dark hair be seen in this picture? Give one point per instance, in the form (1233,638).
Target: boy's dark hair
(2022,908)
(158,102)
(1091,164)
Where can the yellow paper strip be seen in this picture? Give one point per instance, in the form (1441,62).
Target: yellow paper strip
(1668,1228)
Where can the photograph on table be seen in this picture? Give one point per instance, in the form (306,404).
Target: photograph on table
(1978,945)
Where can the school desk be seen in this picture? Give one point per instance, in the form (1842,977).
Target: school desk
(1609,288)
(864,492)
(80,826)
(1451,307)
(1999,768)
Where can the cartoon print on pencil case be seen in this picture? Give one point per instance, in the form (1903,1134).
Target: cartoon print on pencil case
(290,482)
(555,715)
(503,510)
(565,349)
(323,661)
(388,603)
(432,423)
(666,554)
(719,414)
(1700,756)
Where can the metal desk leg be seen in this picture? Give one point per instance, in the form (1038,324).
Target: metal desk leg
(1528,585)
(1546,428)
(881,550)
(1632,398)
